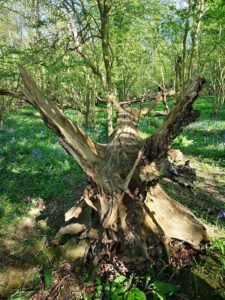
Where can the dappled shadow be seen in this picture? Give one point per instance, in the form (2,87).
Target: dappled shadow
(203,143)
(22,255)
(57,206)
(34,168)
(59,193)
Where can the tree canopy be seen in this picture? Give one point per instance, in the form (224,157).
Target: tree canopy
(78,53)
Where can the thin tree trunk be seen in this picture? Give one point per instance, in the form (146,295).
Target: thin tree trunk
(178,78)
(164,92)
(194,38)
(104,10)
(87,111)
(1,116)
(184,51)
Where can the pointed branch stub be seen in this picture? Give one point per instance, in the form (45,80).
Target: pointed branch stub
(178,118)
(74,140)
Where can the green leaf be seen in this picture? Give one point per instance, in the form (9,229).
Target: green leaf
(148,279)
(129,296)
(165,287)
(120,279)
(115,296)
(18,295)
(158,296)
(48,279)
(139,295)
(120,290)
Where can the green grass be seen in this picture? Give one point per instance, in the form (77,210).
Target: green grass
(34,165)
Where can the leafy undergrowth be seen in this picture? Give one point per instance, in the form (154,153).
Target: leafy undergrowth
(39,182)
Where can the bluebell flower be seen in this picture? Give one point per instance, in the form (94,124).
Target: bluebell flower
(221,214)
(37,152)
(223,139)
(67,296)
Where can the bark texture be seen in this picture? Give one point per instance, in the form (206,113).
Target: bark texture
(124,211)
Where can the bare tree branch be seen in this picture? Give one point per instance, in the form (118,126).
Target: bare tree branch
(19,95)
(178,118)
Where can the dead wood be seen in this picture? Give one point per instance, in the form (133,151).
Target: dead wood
(180,117)
(144,98)
(19,95)
(159,114)
(124,211)
(74,140)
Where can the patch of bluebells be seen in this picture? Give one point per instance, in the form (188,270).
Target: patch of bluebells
(37,153)
(221,215)
(223,139)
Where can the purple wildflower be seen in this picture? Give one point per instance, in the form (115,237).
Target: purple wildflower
(37,152)
(221,214)
(223,138)
(67,296)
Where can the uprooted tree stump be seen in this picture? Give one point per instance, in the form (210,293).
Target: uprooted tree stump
(124,211)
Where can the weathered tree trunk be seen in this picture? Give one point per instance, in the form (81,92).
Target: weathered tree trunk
(124,211)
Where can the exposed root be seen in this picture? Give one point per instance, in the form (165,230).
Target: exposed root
(139,228)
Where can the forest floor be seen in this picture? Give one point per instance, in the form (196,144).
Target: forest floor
(39,182)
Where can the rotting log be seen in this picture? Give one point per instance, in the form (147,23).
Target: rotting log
(124,211)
